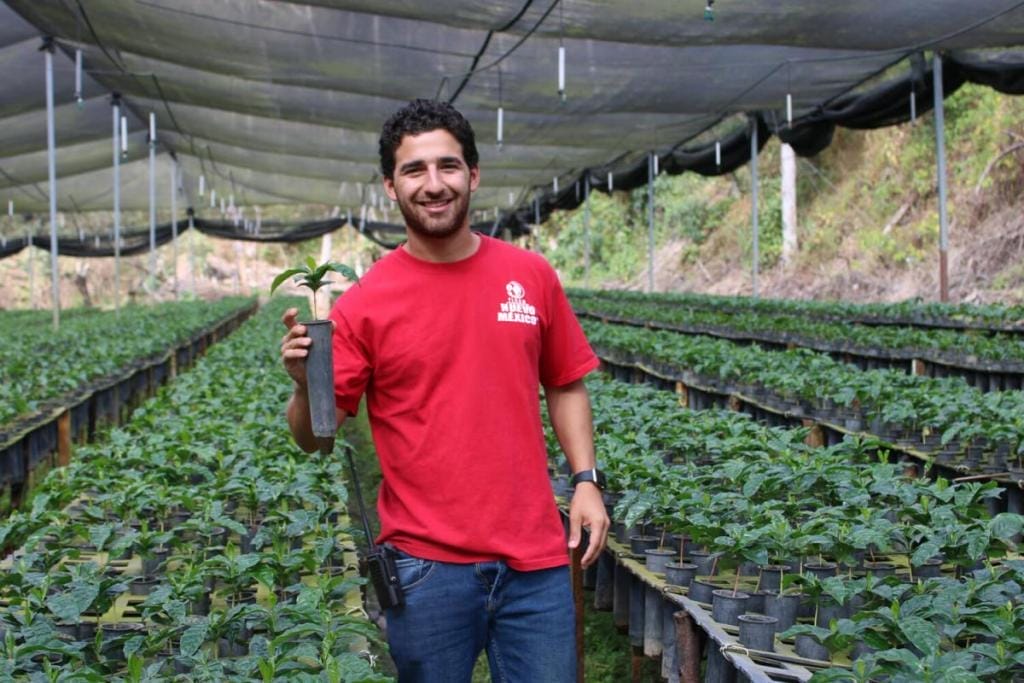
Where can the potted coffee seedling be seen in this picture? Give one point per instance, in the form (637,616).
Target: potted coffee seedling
(319,362)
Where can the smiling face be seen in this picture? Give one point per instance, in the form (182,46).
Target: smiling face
(432,184)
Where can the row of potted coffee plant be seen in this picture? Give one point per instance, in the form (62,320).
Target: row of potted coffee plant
(956,423)
(196,542)
(932,314)
(842,549)
(889,342)
(39,365)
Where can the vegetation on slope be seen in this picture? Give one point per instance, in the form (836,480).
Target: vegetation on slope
(867,214)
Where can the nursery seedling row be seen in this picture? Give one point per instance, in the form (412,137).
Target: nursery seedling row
(41,369)
(196,543)
(30,445)
(942,420)
(756,506)
(990,363)
(986,319)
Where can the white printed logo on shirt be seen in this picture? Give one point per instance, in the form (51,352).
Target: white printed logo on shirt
(517,309)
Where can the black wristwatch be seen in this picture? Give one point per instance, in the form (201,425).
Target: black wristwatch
(595,476)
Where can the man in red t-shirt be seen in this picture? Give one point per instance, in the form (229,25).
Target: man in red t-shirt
(450,337)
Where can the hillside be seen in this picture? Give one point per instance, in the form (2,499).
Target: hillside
(867,218)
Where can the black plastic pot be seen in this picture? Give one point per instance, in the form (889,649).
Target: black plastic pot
(114,636)
(143,585)
(245,597)
(560,486)
(821,570)
(704,561)
(726,606)
(757,632)
(880,568)
(320,383)
(676,541)
(748,568)
(829,609)
(806,646)
(639,544)
(771,576)
(657,559)
(245,542)
(931,569)
(623,533)
(757,599)
(783,608)
(702,591)
(860,649)
(680,574)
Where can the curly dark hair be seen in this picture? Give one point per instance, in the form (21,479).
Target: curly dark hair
(423,116)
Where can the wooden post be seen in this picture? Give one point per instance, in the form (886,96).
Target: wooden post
(917,367)
(172,366)
(684,394)
(689,648)
(64,439)
(636,663)
(815,438)
(620,598)
(577,594)
(604,592)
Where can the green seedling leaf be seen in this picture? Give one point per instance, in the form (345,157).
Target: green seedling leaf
(1005,525)
(284,276)
(193,638)
(344,270)
(924,552)
(69,605)
(921,633)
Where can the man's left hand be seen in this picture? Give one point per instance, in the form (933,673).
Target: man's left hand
(587,510)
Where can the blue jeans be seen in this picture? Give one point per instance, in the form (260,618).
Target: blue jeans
(524,620)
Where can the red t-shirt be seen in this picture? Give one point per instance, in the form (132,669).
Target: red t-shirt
(451,357)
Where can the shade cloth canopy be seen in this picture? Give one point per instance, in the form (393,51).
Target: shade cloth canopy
(281,102)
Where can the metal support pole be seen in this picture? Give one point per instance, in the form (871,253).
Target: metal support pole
(586,231)
(940,153)
(31,274)
(650,222)
(51,157)
(152,200)
(192,251)
(117,204)
(174,223)
(536,225)
(753,203)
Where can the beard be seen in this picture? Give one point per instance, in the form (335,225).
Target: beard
(435,227)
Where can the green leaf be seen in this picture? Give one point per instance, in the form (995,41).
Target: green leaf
(193,638)
(920,633)
(924,552)
(69,605)
(347,271)
(99,534)
(39,504)
(132,646)
(310,263)
(753,483)
(259,646)
(1005,525)
(232,525)
(978,544)
(284,276)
